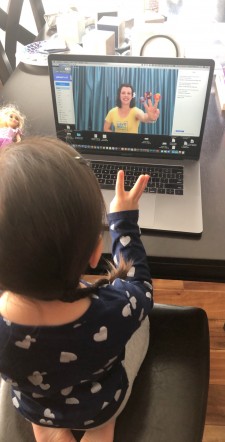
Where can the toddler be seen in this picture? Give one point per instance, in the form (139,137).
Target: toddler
(69,350)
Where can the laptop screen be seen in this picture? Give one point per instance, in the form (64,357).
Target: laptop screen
(86,92)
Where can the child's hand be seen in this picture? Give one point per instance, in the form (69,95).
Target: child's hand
(128,200)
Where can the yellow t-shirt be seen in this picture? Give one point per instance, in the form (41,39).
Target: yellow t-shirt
(129,124)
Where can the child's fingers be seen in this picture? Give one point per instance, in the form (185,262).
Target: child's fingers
(119,188)
(144,183)
(136,190)
(139,187)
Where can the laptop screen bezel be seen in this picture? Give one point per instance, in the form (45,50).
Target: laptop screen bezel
(62,129)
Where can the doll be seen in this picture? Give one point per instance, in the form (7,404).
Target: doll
(11,125)
(148,95)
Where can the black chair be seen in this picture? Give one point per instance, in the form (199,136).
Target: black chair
(169,397)
(14,32)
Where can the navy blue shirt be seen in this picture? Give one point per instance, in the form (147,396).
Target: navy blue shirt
(72,375)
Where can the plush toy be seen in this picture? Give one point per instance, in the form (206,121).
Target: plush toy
(148,96)
(157,97)
(11,125)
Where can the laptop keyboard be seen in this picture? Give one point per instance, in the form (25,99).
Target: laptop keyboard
(164,179)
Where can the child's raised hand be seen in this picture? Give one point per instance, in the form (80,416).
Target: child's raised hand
(124,200)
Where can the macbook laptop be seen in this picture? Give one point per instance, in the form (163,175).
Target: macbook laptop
(85,88)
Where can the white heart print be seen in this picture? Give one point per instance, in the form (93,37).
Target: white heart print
(105,405)
(72,401)
(37,396)
(110,361)
(66,391)
(15,402)
(126,311)
(18,394)
(148,295)
(26,343)
(66,357)
(88,422)
(96,387)
(101,335)
(46,422)
(36,378)
(133,301)
(45,386)
(115,260)
(141,315)
(99,371)
(125,240)
(131,272)
(117,395)
(112,227)
(148,284)
(49,414)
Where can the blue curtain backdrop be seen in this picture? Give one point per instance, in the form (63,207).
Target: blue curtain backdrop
(95,90)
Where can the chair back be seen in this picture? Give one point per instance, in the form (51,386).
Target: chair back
(169,398)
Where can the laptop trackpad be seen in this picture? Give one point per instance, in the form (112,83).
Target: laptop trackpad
(146,207)
(147,210)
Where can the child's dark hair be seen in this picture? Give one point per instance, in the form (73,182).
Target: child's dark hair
(118,101)
(51,217)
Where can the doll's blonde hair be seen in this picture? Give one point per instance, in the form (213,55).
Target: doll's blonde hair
(8,109)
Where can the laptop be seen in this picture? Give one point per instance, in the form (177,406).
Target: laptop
(84,89)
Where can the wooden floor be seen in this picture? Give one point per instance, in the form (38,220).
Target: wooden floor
(210,297)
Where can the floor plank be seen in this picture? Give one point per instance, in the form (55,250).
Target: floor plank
(207,286)
(214,433)
(217,334)
(217,367)
(213,304)
(216,406)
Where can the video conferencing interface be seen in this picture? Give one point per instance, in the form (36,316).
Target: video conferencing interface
(133,108)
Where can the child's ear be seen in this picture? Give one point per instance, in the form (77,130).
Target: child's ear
(96,254)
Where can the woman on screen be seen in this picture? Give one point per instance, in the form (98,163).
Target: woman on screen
(126,117)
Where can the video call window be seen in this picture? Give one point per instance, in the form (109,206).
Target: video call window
(95,93)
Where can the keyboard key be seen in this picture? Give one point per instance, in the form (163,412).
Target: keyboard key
(164,179)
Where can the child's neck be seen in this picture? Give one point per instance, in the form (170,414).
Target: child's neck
(25,311)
